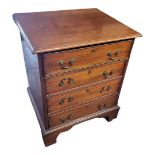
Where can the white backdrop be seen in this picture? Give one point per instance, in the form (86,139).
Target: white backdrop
(133,132)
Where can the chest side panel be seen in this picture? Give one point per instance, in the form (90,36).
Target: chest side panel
(35,89)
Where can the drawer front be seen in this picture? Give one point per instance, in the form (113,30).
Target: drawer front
(81,111)
(62,83)
(65,100)
(85,57)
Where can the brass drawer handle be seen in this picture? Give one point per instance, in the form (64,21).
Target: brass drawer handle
(63,65)
(62,120)
(68,118)
(71,61)
(71,116)
(61,102)
(69,99)
(114,55)
(107,74)
(105,89)
(101,107)
(69,81)
(93,51)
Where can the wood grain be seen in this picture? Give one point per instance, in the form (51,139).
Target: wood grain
(34,74)
(84,77)
(81,111)
(85,57)
(76,62)
(59,30)
(72,99)
(50,135)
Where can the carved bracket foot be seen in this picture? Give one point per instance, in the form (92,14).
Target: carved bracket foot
(110,115)
(51,137)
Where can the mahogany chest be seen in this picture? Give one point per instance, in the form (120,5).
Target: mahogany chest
(75,62)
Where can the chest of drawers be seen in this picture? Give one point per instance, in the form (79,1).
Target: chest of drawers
(75,62)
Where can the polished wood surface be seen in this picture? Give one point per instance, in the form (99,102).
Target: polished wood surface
(34,75)
(58,30)
(76,62)
(85,57)
(66,100)
(50,136)
(82,110)
(79,79)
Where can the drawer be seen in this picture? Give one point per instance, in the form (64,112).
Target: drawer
(68,81)
(65,100)
(82,110)
(85,57)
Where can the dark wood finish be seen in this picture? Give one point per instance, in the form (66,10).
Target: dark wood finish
(111,115)
(81,110)
(76,62)
(50,138)
(51,135)
(36,109)
(71,99)
(85,77)
(85,57)
(34,79)
(58,30)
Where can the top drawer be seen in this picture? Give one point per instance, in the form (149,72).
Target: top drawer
(84,57)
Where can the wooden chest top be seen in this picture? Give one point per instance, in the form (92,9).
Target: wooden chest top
(59,30)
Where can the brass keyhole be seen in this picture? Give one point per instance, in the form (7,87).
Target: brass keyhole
(87,90)
(93,51)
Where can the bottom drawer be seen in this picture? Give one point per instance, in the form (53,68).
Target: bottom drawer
(82,110)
